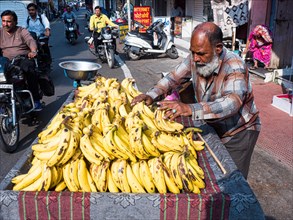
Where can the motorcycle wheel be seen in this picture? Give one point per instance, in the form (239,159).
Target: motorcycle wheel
(111,58)
(172,52)
(133,56)
(9,135)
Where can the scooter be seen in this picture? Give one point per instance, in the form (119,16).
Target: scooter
(71,31)
(156,40)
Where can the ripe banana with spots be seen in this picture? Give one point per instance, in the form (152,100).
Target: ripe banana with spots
(165,125)
(156,169)
(133,182)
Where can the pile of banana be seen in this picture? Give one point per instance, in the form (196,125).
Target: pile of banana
(99,143)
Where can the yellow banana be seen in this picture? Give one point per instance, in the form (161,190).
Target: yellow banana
(122,147)
(89,151)
(146,177)
(184,174)
(72,146)
(29,179)
(169,180)
(83,176)
(156,169)
(99,175)
(68,178)
(114,174)
(193,162)
(136,144)
(59,152)
(122,110)
(136,172)
(61,186)
(46,177)
(110,183)
(149,147)
(55,176)
(91,182)
(197,145)
(175,170)
(122,176)
(133,182)
(97,143)
(74,172)
(34,186)
(44,156)
(164,125)
(173,142)
(110,145)
(194,177)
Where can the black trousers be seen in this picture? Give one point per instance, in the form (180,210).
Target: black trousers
(28,67)
(240,147)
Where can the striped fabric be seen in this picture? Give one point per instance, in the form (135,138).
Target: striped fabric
(54,205)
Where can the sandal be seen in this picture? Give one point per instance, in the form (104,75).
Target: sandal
(253,67)
(268,69)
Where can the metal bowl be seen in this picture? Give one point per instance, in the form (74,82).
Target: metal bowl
(80,70)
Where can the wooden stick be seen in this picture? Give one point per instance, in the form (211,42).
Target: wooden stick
(213,154)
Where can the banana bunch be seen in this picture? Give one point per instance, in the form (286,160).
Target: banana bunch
(99,143)
(39,177)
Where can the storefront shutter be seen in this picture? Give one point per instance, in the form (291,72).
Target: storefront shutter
(194,8)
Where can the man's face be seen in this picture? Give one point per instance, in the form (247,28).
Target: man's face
(204,54)
(8,23)
(32,12)
(98,12)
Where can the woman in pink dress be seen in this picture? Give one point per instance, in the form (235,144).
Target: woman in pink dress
(260,44)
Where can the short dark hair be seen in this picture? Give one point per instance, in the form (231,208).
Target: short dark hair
(98,7)
(11,13)
(30,5)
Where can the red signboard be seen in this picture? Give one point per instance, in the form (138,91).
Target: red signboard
(142,14)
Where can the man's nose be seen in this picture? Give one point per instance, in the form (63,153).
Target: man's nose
(196,58)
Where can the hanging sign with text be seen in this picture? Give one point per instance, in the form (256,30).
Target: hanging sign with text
(142,14)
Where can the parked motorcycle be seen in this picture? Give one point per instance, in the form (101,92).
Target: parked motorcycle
(105,50)
(15,102)
(156,40)
(71,33)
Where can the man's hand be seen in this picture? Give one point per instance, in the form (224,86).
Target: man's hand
(174,109)
(142,97)
(32,54)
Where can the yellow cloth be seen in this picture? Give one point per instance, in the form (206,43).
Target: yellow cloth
(100,22)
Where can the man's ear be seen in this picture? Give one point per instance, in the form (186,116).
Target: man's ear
(219,48)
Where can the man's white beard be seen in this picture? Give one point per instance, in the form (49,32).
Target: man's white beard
(207,69)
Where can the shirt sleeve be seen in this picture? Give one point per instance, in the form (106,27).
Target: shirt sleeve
(92,23)
(28,39)
(45,21)
(233,94)
(173,79)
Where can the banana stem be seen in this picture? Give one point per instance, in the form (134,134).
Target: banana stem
(213,154)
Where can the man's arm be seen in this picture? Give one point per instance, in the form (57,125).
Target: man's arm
(172,80)
(30,42)
(46,24)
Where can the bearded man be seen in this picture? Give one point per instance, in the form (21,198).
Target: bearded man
(222,90)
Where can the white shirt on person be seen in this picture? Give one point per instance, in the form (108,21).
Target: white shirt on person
(35,25)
